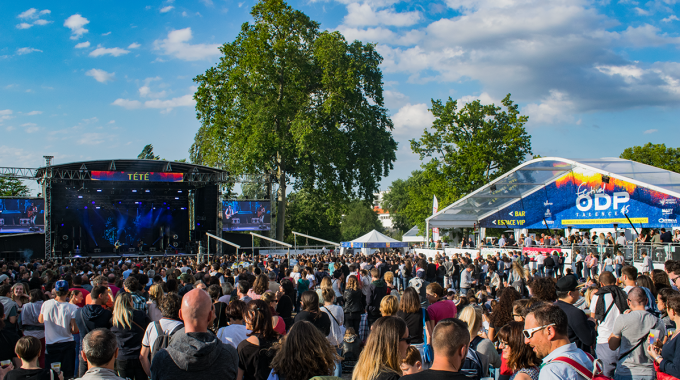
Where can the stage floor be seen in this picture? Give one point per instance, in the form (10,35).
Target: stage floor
(21,229)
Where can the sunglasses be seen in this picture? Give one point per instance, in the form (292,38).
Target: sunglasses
(528,333)
(407,340)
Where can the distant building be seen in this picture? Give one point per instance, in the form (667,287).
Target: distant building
(383,215)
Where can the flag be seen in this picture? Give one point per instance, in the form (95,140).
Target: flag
(435,208)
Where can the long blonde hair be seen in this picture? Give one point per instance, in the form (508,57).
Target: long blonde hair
(473,317)
(381,352)
(122,311)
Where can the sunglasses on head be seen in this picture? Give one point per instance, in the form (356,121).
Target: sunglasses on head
(528,333)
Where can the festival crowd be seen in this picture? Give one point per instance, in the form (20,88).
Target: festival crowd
(383,316)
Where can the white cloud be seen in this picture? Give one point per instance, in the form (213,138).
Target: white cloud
(145,92)
(650,131)
(670,18)
(41,22)
(208,3)
(167,9)
(94,138)
(365,15)
(112,122)
(555,108)
(106,34)
(27,50)
(116,52)
(100,76)
(83,45)
(29,125)
(126,103)
(176,44)
(24,25)
(395,99)
(484,98)
(33,13)
(34,113)
(5,114)
(627,72)
(134,45)
(76,23)
(10,128)
(641,11)
(412,119)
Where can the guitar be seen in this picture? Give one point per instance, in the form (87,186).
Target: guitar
(117,245)
(260,212)
(31,211)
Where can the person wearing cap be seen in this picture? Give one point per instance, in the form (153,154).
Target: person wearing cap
(4,279)
(579,330)
(57,315)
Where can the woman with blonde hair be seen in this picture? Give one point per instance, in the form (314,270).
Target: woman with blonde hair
(473,317)
(303,354)
(389,306)
(385,348)
(129,325)
(20,295)
(155,295)
(355,303)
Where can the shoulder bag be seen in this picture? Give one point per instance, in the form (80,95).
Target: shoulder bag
(428,351)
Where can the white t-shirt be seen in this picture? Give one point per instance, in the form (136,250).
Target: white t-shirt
(605,328)
(233,334)
(540,259)
(295,276)
(628,288)
(150,335)
(225,298)
(58,316)
(312,280)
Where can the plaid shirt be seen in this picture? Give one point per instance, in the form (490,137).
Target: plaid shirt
(139,302)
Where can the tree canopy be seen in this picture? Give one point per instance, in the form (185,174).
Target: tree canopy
(296,102)
(12,187)
(312,215)
(655,155)
(147,153)
(359,220)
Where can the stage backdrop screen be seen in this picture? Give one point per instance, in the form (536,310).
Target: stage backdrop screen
(238,215)
(22,215)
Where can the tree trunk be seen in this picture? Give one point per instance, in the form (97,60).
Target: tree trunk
(281,199)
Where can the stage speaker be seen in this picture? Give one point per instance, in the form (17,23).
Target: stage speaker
(676,253)
(97,250)
(132,250)
(152,249)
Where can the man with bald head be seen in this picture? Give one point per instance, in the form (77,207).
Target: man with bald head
(195,353)
(629,336)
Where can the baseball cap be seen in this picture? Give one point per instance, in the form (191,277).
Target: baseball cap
(61,285)
(3,278)
(567,284)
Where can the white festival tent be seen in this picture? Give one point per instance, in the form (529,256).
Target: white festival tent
(373,240)
(412,236)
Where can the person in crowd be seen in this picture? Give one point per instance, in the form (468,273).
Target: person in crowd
(662,302)
(169,324)
(29,321)
(666,358)
(450,345)
(466,280)
(311,313)
(440,307)
(607,304)
(411,312)
(628,276)
(285,304)
(384,351)
(91,317)
(9,337)
(11,307)
(133,287)
(129,325)
(215,292)
(100,350)
(303,354)
(543,288)
(28,349)
(153,304)
(473,317)
(186,284)
(273,285)
(256,353)
(277,322)
(520,357)
(545,330)
(629,336)
(57,315)
(646,283)
(376,292)
(355,303)
(389,306)
(103,281)
(503,312)
(580,330)
(236,331)
(413,363)
(196,352)
(260,286)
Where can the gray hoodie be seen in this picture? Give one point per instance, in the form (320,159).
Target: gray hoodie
(98,373)
(195,354)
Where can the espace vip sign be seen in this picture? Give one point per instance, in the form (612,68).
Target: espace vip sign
(581,199)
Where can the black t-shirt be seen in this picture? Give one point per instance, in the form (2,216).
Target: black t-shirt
(323,323)
(431,374)
(255,360)
(387,375)
(221,319)
(130,340)
(414,322)
(285,310)
(9,339)
(29,374)
(431,270)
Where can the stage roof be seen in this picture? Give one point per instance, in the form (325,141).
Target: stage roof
(536,174)
(137,165)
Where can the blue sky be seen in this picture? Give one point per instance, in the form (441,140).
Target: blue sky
(97,80)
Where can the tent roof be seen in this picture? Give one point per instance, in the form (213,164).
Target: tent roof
(374,237)
(412,232)
(412,235)
(534,175)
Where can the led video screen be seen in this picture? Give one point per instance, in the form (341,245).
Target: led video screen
(22,215)
(238,215)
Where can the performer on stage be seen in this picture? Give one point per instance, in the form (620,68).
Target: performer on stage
(228,213)
(116,246)
(261,212)
(32,214)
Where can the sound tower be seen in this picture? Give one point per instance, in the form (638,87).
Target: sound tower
(205,216)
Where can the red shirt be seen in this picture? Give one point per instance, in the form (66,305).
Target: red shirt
(85,294)
(441,310)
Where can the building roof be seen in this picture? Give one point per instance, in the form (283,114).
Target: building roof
(534,175)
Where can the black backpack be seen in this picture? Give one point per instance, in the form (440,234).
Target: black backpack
(163,339)
(549,262)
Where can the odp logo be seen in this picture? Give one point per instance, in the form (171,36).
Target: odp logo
(601,201)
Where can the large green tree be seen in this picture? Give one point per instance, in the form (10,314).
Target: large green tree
(359,220)
(312,215)
(290,100)
(656,155)
(12,187)
(465,149)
